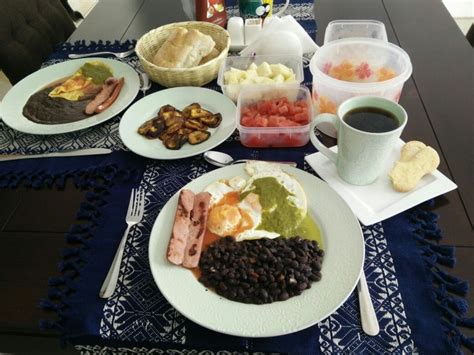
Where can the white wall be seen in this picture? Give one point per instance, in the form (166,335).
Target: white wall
(460,8)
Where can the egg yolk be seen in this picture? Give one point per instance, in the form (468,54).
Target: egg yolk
(226,218)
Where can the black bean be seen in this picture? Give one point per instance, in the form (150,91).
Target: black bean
(261,271)
(302,286)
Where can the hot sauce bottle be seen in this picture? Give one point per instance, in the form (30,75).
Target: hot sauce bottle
(211,11)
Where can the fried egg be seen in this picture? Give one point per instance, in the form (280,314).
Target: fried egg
(297,194)
(231,216)
(236,206)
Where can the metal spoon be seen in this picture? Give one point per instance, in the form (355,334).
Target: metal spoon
(370,324)
(222,159)
(118,55)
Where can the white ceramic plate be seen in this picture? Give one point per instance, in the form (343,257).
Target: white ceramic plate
(11,107)
(344,256)
(378,201)
(180,97)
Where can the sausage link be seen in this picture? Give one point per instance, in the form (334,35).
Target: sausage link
(102,96)
(112,97)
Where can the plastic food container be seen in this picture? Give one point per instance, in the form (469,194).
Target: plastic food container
(340,29)
(348,67)
(232,91)
(281,136)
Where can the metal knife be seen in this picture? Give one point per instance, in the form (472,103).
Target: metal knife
(68,153)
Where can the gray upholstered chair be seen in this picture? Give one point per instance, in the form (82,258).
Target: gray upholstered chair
(29,30)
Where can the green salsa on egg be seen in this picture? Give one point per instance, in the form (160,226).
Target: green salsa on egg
(279,213)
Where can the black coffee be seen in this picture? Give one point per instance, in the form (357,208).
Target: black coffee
(371,119)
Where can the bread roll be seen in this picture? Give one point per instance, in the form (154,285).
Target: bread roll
(214,53)
(183,49)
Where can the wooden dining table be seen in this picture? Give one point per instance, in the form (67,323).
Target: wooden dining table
(438,98)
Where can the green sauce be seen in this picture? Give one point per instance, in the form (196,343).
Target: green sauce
(98,71)
(308,229)
(281,215)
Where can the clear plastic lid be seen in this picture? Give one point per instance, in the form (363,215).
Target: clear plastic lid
(340,29)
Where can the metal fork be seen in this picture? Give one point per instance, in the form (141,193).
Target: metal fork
(118,55)
(145,84)
(135,211)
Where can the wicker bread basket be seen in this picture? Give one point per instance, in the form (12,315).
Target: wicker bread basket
(148,45)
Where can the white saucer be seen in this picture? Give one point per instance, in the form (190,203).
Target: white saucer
(378,201)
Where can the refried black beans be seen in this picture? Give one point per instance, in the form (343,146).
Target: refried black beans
(261,271)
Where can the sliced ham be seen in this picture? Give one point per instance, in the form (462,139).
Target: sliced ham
(181,227)
(197,229)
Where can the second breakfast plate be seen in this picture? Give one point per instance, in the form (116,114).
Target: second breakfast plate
(180,97)
(342,265)
(11,108)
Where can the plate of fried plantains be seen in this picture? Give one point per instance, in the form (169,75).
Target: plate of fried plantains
(178,123)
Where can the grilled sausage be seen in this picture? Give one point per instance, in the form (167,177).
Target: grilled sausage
(197,229)
(112,97)
(180,235)
(102,96)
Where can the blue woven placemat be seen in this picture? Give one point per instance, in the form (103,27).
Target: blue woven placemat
(415,301)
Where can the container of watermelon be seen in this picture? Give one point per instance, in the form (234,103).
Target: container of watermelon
(274,117)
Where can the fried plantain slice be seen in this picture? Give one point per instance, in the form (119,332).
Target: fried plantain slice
(174,128)
(198,113)
(175,141)
(187,109)
(164,135)
(151,129)
(185,131)
(164,109)
(197,137)
(174,118)
(195,125)
(212,121)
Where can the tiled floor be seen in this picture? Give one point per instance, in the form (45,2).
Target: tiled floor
(85,6)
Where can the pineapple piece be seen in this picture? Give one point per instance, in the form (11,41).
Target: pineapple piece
(264,70)
(267,80)
(258,79)
(233,76)
(252,66)
(279,79)
(251,74)
(280,69)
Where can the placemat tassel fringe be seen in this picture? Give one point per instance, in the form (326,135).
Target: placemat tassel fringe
(453,307)
(73,258)
(94,46)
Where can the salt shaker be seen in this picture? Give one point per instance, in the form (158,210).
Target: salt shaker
(253,27)
(235,27)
